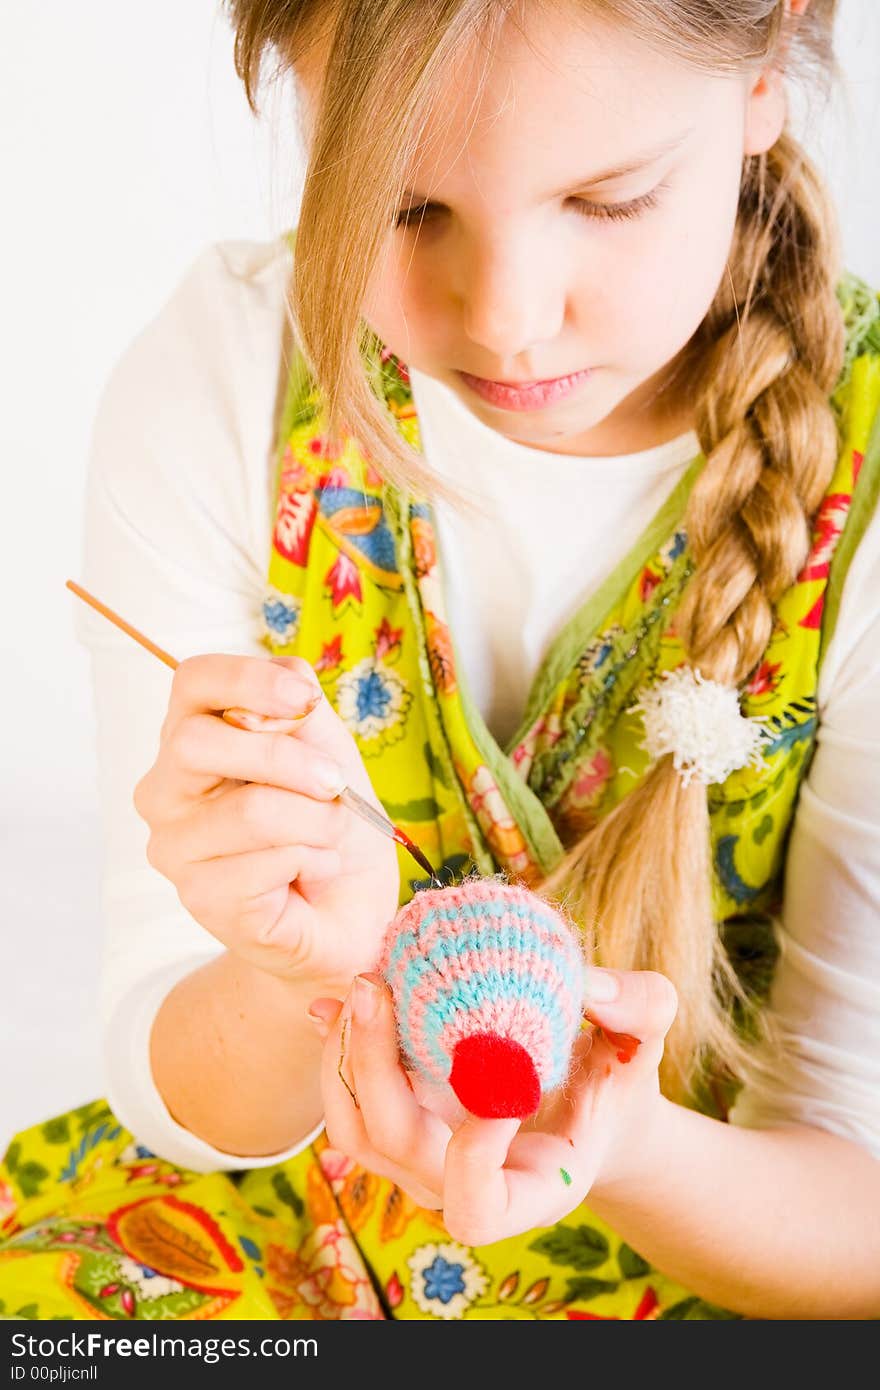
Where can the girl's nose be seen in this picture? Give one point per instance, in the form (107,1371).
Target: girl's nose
(513,299)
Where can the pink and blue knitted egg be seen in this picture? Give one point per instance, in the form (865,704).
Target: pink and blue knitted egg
(487,981)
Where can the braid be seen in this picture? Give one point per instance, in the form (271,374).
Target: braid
(767,358)
(763,419)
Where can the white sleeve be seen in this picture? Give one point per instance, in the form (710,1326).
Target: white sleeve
(825,996)
(177,533)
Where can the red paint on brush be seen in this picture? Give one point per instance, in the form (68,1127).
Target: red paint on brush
(406,842)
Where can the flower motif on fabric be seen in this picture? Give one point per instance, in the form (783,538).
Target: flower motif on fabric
(357,524)
(812,619)
(135,1153)
(344,582)
(7,1202)
(154,1170)
(336,1166)
(766,679)
(827,527)
(297,511)
(281,615)
(325,447)
(388,641)
(440,656)
(858,459)
(374,702)
(648,1310)
(159,1253)
(324,1279)
(176,1238)
(496,822)
(398,1210)
(319,1199)
(546,730)
(424,546)
(146,1282)
(354,1187)
(398,368)
(599,650)
(394,1291)
(446,1279)
(671,549)
(331,655)
(648,581)
(588,785)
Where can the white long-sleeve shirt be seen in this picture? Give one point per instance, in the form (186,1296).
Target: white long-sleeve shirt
(178,530)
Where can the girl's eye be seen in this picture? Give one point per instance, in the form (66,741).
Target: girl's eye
(617,212)
(600,212)
(408,216)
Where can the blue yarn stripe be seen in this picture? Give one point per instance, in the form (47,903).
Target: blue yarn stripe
(522,935)
(411,973)
(479,912)
(462,996)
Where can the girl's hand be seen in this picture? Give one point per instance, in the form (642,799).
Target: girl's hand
(498,1178)
(246,826)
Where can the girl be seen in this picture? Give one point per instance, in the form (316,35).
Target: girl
(575,422)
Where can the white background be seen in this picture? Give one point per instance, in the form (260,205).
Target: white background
(127,145)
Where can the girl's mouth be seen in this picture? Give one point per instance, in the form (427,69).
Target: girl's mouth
(526,395)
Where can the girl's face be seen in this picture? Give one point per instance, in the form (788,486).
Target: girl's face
(581,213)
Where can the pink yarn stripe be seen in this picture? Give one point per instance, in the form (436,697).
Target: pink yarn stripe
(523,1023)
(472,964)
(441,931)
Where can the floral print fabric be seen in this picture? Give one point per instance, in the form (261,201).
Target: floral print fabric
(94,1225)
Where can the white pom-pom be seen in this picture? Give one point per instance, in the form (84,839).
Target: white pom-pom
(700,723)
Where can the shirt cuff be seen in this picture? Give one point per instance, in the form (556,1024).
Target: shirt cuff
(132,1092)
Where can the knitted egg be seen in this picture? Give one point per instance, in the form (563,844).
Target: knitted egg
(487,982)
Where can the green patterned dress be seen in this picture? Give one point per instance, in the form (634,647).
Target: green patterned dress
(94,1225)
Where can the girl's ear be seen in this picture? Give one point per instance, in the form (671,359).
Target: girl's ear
(766,110)
(768,103)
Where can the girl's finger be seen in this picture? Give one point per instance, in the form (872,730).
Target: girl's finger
(323,1014)
(204,750)
(637,1005)
(215,682)
(242,820)
(396,1124)
(246,900)
(500,1182)
(344,1120)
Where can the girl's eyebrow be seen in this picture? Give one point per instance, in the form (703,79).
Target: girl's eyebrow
(629,166)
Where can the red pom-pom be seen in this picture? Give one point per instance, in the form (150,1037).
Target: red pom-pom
(494,1077)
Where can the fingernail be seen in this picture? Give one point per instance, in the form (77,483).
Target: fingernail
(320,1023)
(600,986)
(366,999)
(329,778)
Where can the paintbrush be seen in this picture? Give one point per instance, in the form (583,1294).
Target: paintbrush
(246,719)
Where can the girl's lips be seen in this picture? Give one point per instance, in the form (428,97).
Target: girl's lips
(532,396)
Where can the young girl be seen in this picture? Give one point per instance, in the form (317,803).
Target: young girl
(577,396)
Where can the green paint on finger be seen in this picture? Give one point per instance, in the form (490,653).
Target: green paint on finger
(566,1177)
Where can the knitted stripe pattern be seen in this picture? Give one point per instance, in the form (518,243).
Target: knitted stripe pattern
(484,958)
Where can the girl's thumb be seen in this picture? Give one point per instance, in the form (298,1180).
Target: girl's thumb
(641,1003)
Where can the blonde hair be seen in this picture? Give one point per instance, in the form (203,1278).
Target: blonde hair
(763,365)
